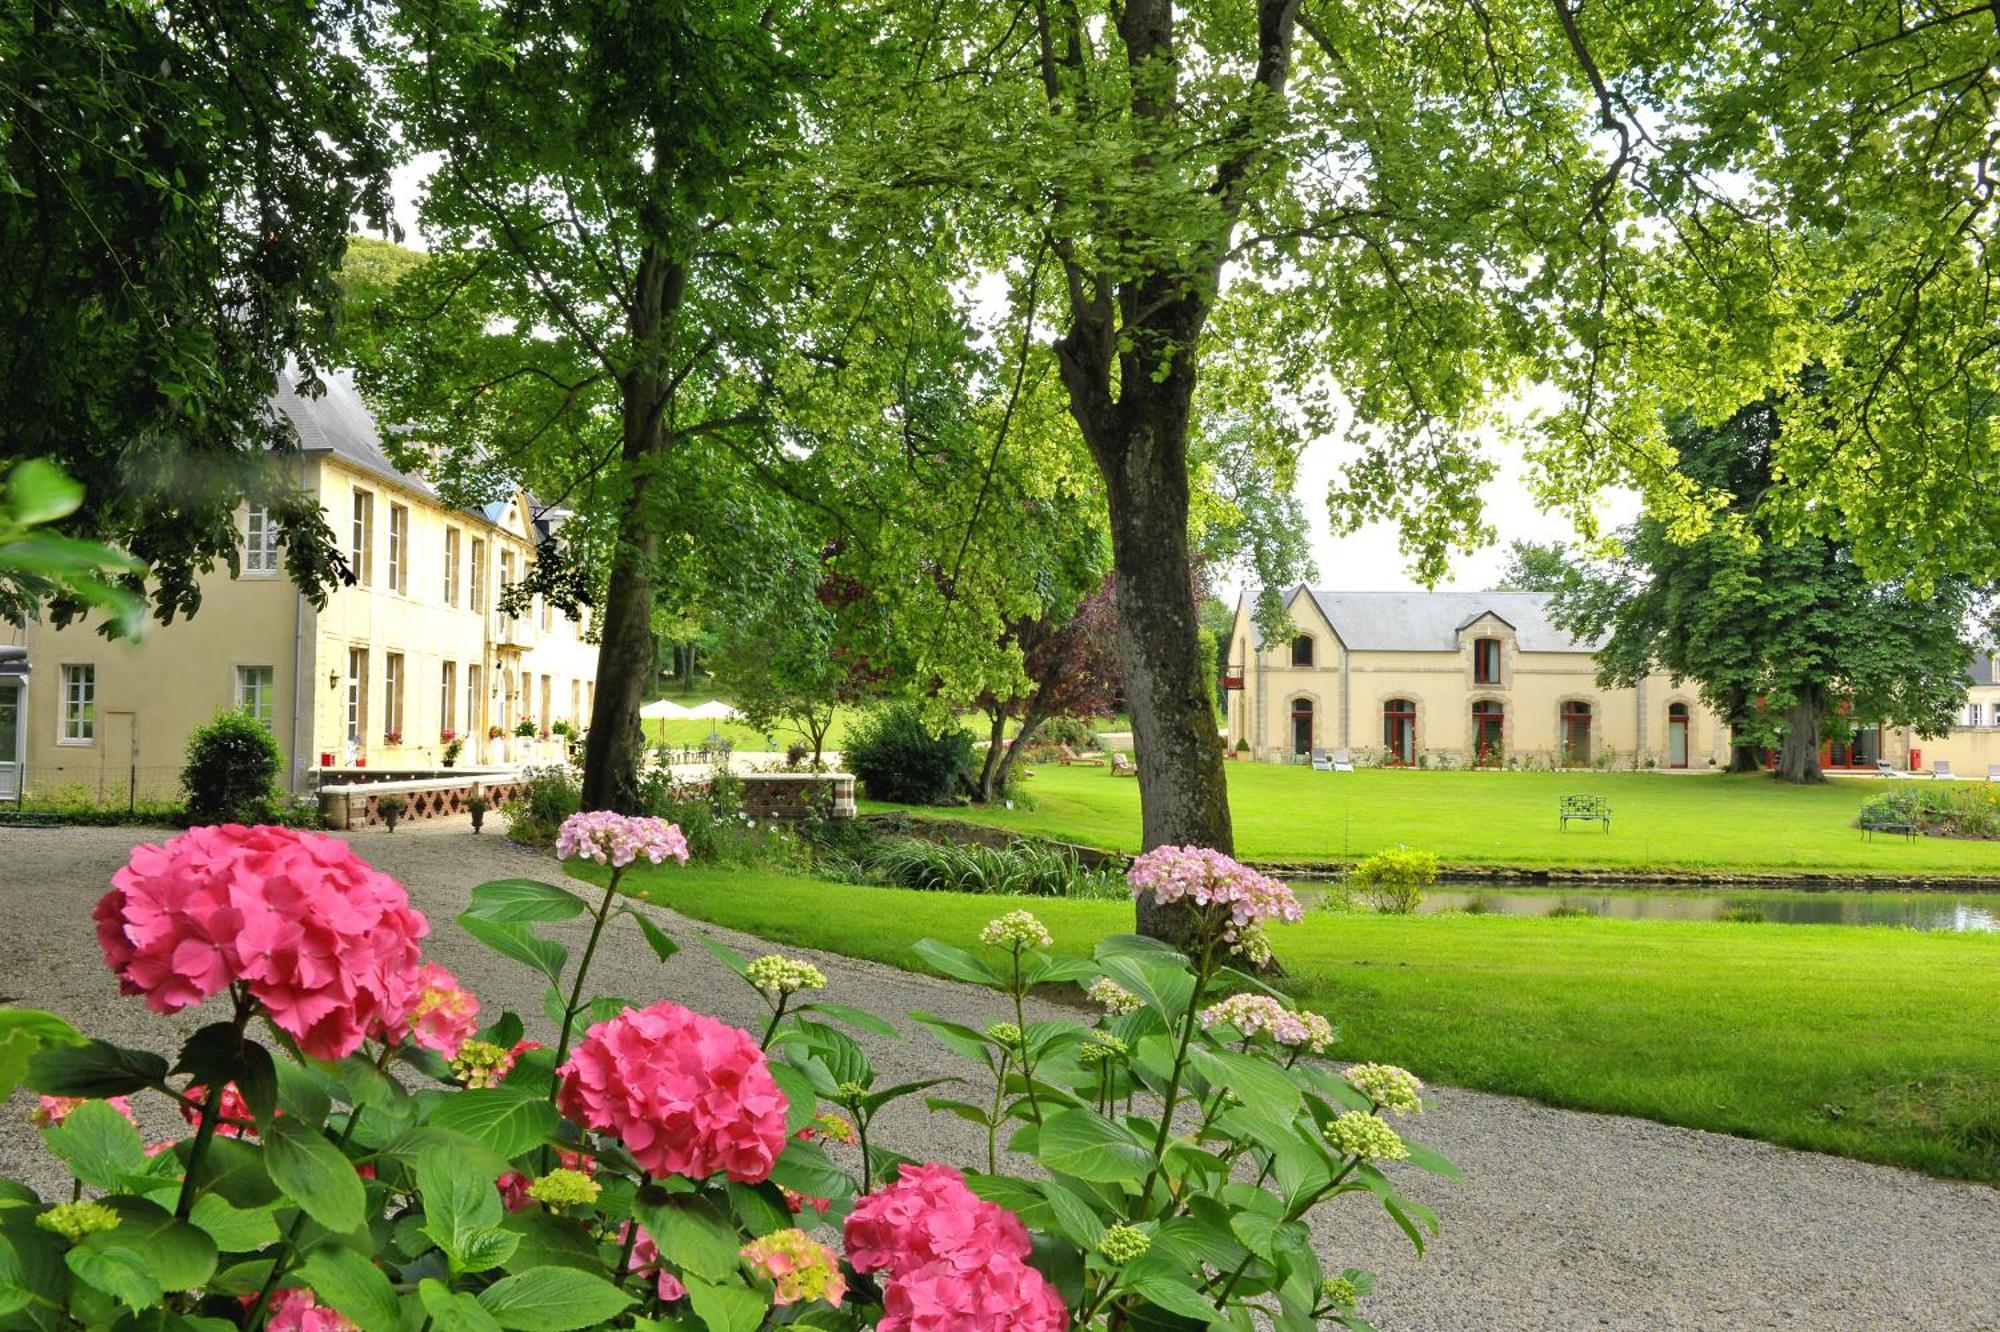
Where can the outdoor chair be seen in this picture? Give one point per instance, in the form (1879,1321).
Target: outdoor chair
(1069,757)
(1123,767)
(1320,761)
(1993,772)
(1343,761)
(1884,768)
(1941,771)
(1583,808)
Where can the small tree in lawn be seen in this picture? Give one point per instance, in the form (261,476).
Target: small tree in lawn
(1070,669)
(787,670)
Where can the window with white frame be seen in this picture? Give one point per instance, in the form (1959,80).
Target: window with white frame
(357,694)
(451,566)
(392,697)
(399,549)
(1975,714)
(361,538)
(260,541)
(478,585)
(448,698)
(79,704)
(472,700)
(256,692)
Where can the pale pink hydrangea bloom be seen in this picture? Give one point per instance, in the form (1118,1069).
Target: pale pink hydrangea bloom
(1259,1014)
(445,1013)
(798,1267)
(53,1110)
(687,1095)
(619,839)
(326,943)
(646,1260)
(1208,879)
(296,1309)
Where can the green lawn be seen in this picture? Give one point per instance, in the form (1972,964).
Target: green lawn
(1875,1043)
(682,734)
(1707,822)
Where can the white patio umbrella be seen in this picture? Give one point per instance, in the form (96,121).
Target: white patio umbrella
(714,710)
(665,710)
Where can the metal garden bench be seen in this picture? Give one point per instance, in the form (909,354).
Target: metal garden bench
(1585,809)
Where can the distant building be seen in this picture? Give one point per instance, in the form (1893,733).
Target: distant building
(1451,679)
(417,651)
(1973,746)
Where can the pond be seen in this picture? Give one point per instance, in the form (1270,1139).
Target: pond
(1917,911)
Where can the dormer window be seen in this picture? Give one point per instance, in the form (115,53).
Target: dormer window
(1486,661)
(1302,650)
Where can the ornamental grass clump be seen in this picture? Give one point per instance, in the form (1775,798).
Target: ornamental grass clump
(365,1155)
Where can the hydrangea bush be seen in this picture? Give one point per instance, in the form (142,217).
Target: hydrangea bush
(362,1154)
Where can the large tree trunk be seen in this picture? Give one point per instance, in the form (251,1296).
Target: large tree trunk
(628,655)
(1798,761)
(1744,755)
(1031,722)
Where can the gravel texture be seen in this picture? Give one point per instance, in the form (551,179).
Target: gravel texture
(1567,1220)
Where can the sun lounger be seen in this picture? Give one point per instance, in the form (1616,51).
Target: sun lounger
(1941,771)
(1068,756)
(1320,761)
(1343,761)
(1123,767)
(1884,768)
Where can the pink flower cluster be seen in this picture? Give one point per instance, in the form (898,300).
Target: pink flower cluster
(646,1261)
(445,1014)
(798,1267)
(53,1110)
(296,1309)
(687,1095)
(953,1261)
(1254,1014)
(619,839)
(236,1120)
(325,942)
(1211,880)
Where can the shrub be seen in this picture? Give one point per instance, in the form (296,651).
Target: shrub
(452,749)
(1969,811)
(1021,868)
(1898,804)
(1072,731)
(796,754)
(898,757)
(1395,879)
(232,769)
(551,794)
(436,1139)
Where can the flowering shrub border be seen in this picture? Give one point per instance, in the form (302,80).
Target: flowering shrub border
(671,1171)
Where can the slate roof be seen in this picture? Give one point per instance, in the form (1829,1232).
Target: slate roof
(1985,669)
(1430,621)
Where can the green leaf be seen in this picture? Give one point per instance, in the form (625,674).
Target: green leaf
(355,1287)
(803,1101)
(1086,1144)
(548,1240)
(234,1229)
(511,900)
(1176,1297)
(854,1017)
(410,1146)
(1164,983)
(957,963)
(97,1069)
(176,1254)
(968,1042)
(511,939)
(99,1144)
(1258,1084)
(760,1209)
(691,1234)
(661,942)
(40,492)
(31,1268)
(119,1273)
(23,1032)
(509,1120)
(462,1212)
(452,1311)
(805,1168)
(1424,1158)
(553,1299)
(219,1054)
(728,956)
(314,1174)
(233,1169)
(1075,1217)
(726,1308)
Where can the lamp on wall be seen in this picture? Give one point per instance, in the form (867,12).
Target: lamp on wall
(333,679)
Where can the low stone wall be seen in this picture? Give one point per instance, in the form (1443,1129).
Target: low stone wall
(358,804)
(350,776)
(794,795)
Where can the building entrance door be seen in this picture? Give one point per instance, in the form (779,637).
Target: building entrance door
(10,740)
(1677,736)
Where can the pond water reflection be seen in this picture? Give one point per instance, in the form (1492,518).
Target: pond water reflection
(1918,911)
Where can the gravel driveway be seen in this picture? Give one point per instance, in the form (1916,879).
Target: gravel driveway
(1567,1220)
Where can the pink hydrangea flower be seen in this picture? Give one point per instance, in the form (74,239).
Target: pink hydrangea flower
(999,1293)
(619,839)
(236,1121)
(1260,1014)
(296,1309)
(926,1215)
(53,1110)
(445,1014)
(798,1267)
(1212,881)
(327,944)
(646,1260)
(687,1095)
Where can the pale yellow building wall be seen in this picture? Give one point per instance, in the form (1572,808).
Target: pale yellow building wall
(1348,690)
(1971,750)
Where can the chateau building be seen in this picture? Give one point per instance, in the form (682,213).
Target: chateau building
(1450,679)
(414,654)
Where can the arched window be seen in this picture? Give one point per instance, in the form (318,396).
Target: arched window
(1302,726)
(1576,734)
(1677,735)
(1489,732)
(1486,661)
(1399,731)
(1302,650)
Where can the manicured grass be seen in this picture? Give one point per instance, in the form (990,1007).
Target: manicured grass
(1705,822)
(1873,1043)
(691,733)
